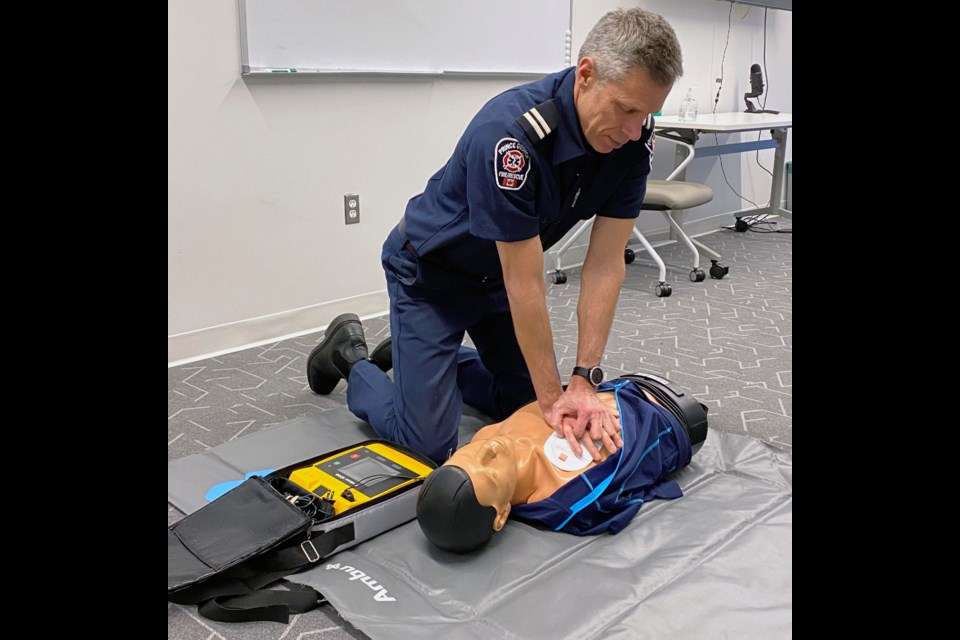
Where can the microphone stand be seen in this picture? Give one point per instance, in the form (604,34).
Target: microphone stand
(752,109)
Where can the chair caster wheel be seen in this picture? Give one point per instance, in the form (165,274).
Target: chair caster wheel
(663,290)
(559,277)
(628,255)
(718,270)
(697,275)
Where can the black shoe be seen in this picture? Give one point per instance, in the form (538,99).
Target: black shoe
(343,345)
(382,356)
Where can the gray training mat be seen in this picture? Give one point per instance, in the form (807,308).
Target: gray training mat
(715,563)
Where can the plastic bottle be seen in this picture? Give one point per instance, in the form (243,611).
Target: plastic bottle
(688,107)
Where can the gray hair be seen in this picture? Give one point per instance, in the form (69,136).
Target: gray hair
(628,38)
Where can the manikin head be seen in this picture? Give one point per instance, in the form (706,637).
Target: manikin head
(449,513)
(464,501)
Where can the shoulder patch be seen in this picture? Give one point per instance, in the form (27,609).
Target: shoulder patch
(540,121)
(511,164)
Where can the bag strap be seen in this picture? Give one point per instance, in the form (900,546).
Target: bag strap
(239,596)
(266,605)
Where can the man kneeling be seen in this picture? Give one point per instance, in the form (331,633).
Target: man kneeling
(519,467)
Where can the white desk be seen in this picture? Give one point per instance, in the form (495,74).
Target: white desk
(736,122)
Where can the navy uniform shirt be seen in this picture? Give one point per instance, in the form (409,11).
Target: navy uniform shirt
(523,168)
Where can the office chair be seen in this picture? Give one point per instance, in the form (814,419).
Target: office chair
(664,196)
(667,196)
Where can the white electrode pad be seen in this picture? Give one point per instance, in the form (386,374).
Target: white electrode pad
(562,456)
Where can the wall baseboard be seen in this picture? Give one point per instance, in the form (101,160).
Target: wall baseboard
(243,334)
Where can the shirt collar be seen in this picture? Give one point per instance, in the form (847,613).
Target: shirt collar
(571,144)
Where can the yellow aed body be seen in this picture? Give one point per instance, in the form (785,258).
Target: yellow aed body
(360,474)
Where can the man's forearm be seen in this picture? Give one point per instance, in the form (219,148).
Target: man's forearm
(531,321)
(526,290)
(600,283)
(599,290)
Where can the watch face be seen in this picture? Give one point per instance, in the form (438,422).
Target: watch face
(596,376)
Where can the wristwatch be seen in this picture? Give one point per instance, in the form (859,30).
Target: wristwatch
(593,374)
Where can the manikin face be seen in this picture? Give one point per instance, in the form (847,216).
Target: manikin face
(612,113)
(492,467)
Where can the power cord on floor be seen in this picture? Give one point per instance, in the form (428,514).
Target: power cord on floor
(747,223)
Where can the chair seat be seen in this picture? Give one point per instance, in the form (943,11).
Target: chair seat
(663,195)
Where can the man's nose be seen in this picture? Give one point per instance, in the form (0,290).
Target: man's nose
(633,128)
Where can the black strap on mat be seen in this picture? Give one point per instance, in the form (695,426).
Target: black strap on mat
(268,605)
(239,598)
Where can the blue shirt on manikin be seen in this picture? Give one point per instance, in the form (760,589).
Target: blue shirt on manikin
(607,496)
(522,168)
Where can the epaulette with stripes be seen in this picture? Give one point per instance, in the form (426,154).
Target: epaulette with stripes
(540,121)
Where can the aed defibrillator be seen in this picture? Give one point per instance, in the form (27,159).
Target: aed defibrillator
(290,519)
(355,476)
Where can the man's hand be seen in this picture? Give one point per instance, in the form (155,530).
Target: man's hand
(578,411)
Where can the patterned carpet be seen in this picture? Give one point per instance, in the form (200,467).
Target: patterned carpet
(727,341)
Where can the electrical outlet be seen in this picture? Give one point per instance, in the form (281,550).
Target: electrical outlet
(351,208)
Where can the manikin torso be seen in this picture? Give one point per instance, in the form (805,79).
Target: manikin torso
(525,432)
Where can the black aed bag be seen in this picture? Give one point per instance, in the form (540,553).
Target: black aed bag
(221,556)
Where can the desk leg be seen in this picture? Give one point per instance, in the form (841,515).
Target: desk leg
(779,167)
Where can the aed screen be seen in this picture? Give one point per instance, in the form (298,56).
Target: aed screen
(365,468)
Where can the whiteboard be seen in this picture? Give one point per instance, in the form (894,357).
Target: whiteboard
(404,36)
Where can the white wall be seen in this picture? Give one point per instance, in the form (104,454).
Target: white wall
(257,168)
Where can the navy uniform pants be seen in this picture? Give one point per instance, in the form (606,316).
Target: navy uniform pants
(433,375)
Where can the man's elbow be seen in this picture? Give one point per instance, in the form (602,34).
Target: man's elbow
(607,269)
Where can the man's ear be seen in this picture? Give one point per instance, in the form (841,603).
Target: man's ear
(501,518)
(586,70)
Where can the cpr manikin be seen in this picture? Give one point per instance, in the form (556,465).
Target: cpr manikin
(519,468)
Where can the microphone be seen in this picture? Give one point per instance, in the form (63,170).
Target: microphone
(756,89)
(756,81)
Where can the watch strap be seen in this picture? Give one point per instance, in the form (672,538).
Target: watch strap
(585,372)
